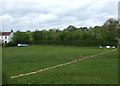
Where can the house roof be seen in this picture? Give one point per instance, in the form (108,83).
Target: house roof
(5,33)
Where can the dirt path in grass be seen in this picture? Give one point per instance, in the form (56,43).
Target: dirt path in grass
(87,57)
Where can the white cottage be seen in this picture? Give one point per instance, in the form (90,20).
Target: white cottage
(6,37)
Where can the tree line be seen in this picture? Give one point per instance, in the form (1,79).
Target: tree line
(107,34)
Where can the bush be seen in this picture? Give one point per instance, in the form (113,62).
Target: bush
(11,44)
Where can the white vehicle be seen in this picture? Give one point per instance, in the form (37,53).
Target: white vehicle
(107,46)
(113,46)
(22,45)
(101,47)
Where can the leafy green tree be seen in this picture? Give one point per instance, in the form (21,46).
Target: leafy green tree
(76,35)
(52,35)
(83,29)
(109,29)
(84,36)
(20,37)
(71,28)
(65,36)
(37,36)
(104,35)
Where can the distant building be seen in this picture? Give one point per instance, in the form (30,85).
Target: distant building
(6,37)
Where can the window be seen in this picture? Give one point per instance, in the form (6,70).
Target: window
(5,37)
(5,41)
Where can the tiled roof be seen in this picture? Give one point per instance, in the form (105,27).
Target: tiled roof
(5,33)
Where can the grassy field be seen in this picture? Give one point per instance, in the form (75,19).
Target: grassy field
(102,69)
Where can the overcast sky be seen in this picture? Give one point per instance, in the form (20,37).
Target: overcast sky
(47,14)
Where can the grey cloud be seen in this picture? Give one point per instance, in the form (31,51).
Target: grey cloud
(58,14)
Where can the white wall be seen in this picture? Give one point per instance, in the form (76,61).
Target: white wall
(10,37)
(6,38)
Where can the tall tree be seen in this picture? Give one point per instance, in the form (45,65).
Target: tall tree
(20,37)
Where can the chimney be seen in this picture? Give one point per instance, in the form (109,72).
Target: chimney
(11,30)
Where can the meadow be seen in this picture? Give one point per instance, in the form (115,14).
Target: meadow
(102,69)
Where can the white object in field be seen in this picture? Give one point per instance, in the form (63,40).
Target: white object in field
(100,46)
(107,46)
(22,45)
(113,47)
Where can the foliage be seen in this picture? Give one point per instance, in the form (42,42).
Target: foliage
(20,37)
(107,34)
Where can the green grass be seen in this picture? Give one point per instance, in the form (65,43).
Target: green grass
(102,69)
